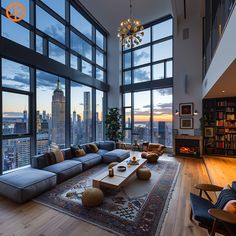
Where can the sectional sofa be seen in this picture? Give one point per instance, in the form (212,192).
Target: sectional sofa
(24,184)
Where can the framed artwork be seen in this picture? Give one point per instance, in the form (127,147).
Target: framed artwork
(209,132)
(186,123)
(186,109)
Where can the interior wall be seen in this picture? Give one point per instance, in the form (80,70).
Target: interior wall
(114,71)
(188,61)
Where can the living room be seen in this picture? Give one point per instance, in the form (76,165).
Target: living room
(118,117)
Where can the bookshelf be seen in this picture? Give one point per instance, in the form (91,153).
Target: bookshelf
(219,122)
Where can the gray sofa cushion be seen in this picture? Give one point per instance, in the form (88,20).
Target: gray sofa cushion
(24,184)
(102,152)
(89,160)
(65,169)
(116,155)
(107,145)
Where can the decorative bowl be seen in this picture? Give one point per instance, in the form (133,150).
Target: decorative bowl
(121,168)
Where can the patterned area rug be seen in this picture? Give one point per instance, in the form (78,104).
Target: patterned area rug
(138,208)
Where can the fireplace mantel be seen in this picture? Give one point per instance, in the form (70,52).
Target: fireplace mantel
(185,136)
(188,141)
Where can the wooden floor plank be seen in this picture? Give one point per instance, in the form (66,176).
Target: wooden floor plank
(37,220)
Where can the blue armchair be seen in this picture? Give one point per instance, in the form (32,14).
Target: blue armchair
(211,216)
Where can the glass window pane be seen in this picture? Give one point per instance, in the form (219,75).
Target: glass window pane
(127,136)
(50,25)
(81,114)
(158,71)
(99,115)
(39,44)
(99,39)
(146,38)
(50,112)
(56,53)
(25,3)
(127,77)
(127,60)
(87,68)
(15,110)
(162,116)
(162,50)
(59,7)
(127,99)
(80,23)
(162,30)
(142,56)
(80,46)
(142,74)
(15,32)
(99,74)
(169,69)
(99,58)
(142,128)
(15,153)
(73,62)
(15,75)
(128,118)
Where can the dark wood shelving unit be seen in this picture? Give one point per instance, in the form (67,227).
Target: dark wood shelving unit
(220,115)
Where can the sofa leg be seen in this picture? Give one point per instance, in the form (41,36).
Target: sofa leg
(191,215)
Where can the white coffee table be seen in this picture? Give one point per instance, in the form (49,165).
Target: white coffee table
(119,178)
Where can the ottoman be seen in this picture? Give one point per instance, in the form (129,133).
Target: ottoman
(24,184)
(116,155)
(92,197)
(143,173)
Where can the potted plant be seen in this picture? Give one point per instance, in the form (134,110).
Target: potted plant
(113,125)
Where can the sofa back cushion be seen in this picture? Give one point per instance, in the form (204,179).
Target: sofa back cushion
(107,145)
(39,161)
(67,153)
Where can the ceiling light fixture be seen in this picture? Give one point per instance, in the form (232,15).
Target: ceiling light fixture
(195,113)
(130,31)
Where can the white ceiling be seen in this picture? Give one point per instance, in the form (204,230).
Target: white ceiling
(111,12)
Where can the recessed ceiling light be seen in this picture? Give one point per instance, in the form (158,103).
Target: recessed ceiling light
(223,91)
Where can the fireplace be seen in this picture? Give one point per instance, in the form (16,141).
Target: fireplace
(186,145)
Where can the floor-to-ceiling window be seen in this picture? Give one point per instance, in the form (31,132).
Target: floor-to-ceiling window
(147,85)
(50,99)
(16,137)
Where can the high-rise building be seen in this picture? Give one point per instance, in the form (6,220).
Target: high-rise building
(20,128)
(87,117)
(162,132)
(44,115)
(22,152)
(25,116)
(38,122)
(58,116)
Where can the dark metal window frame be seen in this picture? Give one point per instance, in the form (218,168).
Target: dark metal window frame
(150,85)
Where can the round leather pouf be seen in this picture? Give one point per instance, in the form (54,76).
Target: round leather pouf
(112,164)
(92,197)
(143,174)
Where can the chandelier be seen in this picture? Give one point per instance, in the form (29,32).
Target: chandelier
(130,31)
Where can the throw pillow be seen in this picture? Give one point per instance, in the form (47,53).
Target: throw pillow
(230,206)
(80,152)
(51,158)
(59,156)
(93,147)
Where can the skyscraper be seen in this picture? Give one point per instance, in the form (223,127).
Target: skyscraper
(87,117)
(25,118)
(58,116)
